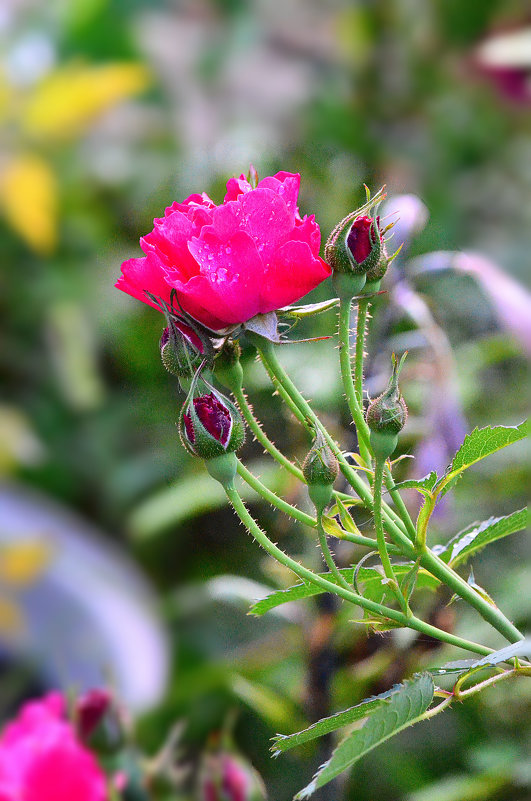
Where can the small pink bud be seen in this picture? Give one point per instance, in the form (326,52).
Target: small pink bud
(227,777)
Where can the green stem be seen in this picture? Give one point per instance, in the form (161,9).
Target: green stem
(361,333)
(286,397)
(394,526)
(400,505)
(261,436)
(380,536)
(460,587)
(329,559)
(273,499)
(348,381)
(348,595)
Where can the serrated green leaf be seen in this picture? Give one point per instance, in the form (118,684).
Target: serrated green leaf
(425,484)
(478,535)
(284,742)
(402,709)
(370,576)
(477,445)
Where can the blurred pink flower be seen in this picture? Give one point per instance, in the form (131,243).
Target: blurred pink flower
(42,760)
(251,255)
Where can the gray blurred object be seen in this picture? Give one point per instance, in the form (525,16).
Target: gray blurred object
(510,301)
(409,216)
(88,618)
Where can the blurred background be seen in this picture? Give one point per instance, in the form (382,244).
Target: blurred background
(119,561)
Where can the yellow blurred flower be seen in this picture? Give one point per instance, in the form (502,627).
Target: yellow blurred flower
(59,107)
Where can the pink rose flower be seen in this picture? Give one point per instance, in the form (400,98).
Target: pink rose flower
(42,760)
(251,255)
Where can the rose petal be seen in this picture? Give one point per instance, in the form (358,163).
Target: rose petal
(144,274)
(293,273)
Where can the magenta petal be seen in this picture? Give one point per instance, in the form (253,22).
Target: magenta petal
(234,272)
(308,231)
(293,273)
(144,274)
(286,185)
(170,238)
(236,187)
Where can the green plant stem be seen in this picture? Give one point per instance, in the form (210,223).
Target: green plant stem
(348,595)
(394,526)
(262,437)
(400,505)
(348,382)
(359,352)
(327,554)
(307,520)
(286,397)
(380,535)
(274,499)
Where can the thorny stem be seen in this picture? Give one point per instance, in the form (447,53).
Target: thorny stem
(394,526)
(329,559)
(261,436)
(380,536)
(348,595)
(359,352)
(272,498)
(354,405)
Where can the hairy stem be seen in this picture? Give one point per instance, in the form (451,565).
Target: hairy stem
(262,437)
(327,554)
(380,535)
(359,352)
(348,595)
(354,406)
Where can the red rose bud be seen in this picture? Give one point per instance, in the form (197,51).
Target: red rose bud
(320,470)
(90,710)
(227,777)
(212,428)
(387,414)
(181,348)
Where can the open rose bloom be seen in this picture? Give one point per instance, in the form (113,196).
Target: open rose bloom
(251,255)
(41,758)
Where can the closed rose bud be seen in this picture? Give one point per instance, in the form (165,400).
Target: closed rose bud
(387,414)
(225,776)
(320,470)
(181,348)
(212,428)
(355,248)
(227,366)
(90,710)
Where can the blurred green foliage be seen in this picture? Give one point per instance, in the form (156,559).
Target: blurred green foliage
(344,93)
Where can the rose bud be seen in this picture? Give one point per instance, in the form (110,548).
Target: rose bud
(181,348)
(387,414)
(90,711)
(227,365)
(225,776)
(320,470)
(354,248)
(212,428)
